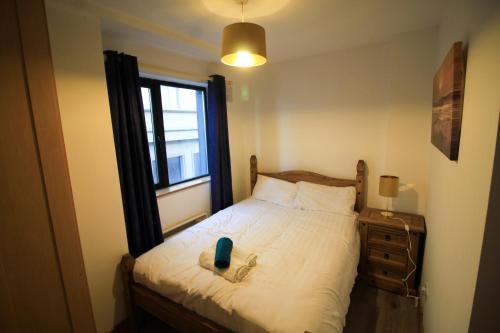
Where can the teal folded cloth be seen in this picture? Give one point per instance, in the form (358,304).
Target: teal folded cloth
(223,252)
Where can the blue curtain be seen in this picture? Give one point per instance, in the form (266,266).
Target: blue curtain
(219,161)
(132,153)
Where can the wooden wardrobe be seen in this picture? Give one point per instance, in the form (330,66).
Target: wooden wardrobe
(43,287)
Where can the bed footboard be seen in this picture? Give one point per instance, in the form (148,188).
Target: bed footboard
(139,298)
(133,313)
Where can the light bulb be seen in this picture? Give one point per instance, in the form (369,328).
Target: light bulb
(243,59)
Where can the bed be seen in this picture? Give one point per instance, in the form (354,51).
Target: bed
(306,268)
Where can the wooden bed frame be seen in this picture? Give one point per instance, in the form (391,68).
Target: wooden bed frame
(139,298)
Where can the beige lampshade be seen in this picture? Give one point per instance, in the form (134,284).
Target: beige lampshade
(244,45)
(388,186)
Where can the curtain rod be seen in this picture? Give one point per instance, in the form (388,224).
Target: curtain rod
(160,70)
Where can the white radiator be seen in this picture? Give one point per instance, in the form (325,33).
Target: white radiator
(181,225)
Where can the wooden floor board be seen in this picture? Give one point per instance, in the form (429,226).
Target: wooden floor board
(378,311)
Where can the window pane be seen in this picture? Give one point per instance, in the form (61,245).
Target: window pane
(148,115)
(185,140)
(174,169)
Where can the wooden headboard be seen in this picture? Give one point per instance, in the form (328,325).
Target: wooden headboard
(312,177)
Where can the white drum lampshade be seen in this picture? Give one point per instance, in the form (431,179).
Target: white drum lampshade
(389,188)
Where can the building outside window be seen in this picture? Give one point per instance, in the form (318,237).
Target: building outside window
(176,131)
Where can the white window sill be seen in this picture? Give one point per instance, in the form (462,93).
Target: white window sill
(181,187)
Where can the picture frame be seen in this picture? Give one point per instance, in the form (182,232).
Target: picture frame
(447,102)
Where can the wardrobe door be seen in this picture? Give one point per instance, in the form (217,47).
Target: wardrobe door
(42,287)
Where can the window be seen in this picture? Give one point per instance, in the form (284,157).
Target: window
(148,114)
(175,125)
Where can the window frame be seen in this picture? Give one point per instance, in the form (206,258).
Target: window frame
(159,129)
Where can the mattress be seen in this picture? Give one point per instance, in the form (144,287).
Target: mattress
(305,270)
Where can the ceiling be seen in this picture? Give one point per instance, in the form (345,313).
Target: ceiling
(294,28)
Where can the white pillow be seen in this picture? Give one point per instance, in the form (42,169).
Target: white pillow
(325,198)
(275,190)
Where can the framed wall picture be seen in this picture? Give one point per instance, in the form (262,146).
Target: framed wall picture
(447,102)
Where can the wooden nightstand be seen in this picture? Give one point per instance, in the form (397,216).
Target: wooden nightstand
(384,260)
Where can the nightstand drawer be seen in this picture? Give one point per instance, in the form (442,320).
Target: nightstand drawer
(376,269)
(387,237)
(389,257)
(384,283)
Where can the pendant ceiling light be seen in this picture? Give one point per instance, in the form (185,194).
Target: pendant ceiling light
(244,43)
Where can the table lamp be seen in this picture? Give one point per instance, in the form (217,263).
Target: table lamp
(389,188)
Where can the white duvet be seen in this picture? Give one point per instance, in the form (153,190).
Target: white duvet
(305,269)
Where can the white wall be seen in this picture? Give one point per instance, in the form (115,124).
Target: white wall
(323,113)
(155,56)
(83,101)
(459,191)
(185,204)
(182,205)
(179,206)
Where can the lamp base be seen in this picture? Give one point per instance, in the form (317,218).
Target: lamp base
(387,213)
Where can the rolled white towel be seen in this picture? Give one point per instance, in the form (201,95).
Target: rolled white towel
(241,263)
(242,255)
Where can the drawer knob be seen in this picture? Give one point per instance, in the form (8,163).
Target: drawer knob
(388,237)
(386,255)
(385,273)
